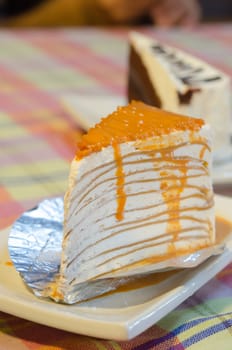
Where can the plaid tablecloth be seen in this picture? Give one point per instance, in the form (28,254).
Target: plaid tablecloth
(37,143)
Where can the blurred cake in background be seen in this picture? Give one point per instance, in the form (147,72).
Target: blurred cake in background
(170,79)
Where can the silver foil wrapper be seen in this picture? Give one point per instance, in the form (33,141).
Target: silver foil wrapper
(35,244)
(35,247)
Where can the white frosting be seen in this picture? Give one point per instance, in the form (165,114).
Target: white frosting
(212,102)
(99,244)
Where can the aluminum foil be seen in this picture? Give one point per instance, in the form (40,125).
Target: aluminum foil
(35,244)
(35,247)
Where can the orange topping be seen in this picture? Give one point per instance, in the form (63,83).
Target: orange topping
(132,122)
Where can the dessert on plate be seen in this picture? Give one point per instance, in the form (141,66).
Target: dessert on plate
(139,197)
(173,80)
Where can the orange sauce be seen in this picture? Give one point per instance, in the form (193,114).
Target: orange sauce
(56,294)
(137,121)
(203,150)
(172,197)
(121,196)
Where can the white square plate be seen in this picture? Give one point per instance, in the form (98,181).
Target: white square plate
(119,316)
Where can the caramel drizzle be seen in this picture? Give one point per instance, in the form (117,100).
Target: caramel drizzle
(179,182)
(119,170)
(172,198)
(172,186)
(121,195)
(202,152)
(173,206)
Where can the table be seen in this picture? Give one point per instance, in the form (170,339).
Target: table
(37,143)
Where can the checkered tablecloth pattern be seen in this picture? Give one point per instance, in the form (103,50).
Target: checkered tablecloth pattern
(37,143)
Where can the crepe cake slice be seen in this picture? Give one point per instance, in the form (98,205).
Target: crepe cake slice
(139,195)
(171,79)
